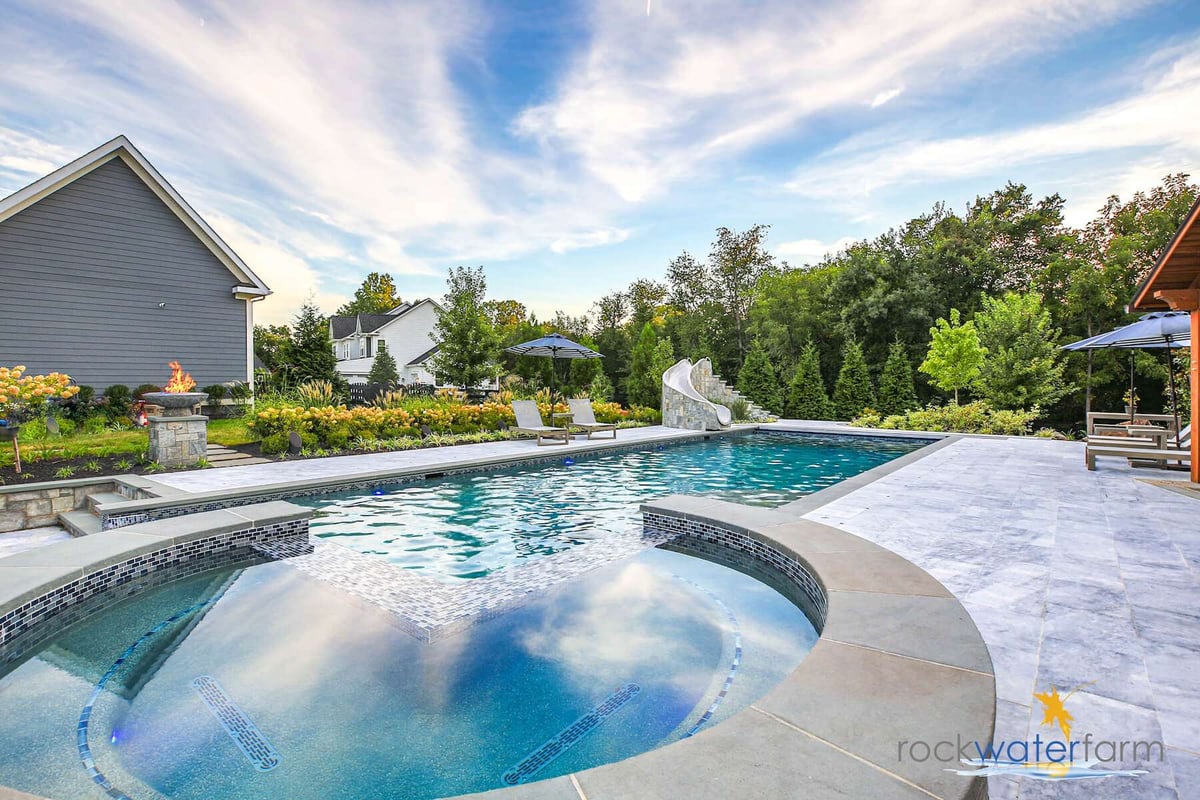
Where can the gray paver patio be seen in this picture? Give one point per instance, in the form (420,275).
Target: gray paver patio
(1072,577)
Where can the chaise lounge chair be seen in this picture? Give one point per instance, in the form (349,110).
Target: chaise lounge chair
(529,420)
(583,416)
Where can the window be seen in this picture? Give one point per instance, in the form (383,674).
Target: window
(368,347)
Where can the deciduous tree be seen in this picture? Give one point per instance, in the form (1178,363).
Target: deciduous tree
(955,354)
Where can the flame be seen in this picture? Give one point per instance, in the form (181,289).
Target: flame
(180,381)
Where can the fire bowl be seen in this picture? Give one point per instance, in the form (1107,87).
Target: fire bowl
(175,404)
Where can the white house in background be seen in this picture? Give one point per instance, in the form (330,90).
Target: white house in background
(409,331)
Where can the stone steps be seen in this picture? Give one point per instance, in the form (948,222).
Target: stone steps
(104,497)
(218,456)
(80,522)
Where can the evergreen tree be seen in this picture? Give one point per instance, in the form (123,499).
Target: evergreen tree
(896,391)
(758,382)
(383,369)
(664,358)
(376,295)
(853,391)
(1022,367)
(806,396)
(645,387)
(468,347)
(955,354)
(309,353)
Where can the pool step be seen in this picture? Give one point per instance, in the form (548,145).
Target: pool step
(105,497)
(80,522)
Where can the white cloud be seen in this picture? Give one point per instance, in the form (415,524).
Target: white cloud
(1147,127)
(654,100)
(811,251)
(886,96)
(593,238)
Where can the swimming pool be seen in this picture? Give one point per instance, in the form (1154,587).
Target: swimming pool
(470,526)
(263,682)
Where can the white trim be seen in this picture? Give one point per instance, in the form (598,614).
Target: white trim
(122,148)
(250,346)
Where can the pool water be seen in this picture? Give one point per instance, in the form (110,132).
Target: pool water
(341,703)
(469,526)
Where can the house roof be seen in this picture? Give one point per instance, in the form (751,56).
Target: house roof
(342,327)
(122,148)
(421,359)
(1177,268)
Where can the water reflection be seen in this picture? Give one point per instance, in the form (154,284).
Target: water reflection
(470,525)
(358,708)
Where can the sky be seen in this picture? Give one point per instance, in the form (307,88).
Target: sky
(572,147)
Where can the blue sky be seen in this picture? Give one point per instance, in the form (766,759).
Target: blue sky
(571,147)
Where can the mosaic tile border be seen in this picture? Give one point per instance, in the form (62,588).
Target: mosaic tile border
(39,609)
(746,554)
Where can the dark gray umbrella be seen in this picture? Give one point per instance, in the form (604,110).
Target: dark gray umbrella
(553,346)
(1162,329)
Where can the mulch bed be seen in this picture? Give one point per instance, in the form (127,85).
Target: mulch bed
(41,471)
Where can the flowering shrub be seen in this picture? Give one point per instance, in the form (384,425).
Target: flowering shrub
(19,389)
(977,417)
(336,426)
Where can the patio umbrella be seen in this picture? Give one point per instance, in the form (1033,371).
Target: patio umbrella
(1162,329)
(554,346)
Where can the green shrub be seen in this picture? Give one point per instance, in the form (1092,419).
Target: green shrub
(240,392)
(976,417)
(279,442)
(216,392)
(79,407)
(118,402)
(146,388)
(336,438)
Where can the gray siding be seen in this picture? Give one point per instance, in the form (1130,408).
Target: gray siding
(82,273)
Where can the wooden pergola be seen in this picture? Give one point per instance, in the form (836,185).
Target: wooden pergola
(1174,283)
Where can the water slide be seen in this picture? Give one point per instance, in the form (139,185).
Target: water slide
(684,407)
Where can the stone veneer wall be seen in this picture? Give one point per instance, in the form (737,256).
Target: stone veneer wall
(745,553)
(22,508)
(711,386)
(178,441)
(203,553)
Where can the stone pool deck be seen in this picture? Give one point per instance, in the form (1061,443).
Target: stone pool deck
(1072,577)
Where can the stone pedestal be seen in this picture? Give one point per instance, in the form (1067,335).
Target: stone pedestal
(178,441)
(178,438)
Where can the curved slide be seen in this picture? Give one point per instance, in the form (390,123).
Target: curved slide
(684,407)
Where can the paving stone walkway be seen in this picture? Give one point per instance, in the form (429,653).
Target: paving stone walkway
(1073,577)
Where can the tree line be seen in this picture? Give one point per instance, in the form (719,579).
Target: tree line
(973,302)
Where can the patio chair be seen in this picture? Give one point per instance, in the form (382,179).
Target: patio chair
(583,416)
(529,421)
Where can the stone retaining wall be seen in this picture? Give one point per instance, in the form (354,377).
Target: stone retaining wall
(24,507)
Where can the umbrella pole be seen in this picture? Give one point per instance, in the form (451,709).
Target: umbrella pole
(1132,395)
(1174,403)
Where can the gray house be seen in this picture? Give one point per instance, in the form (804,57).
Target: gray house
(107,274)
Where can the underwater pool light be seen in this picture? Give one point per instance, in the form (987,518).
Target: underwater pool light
(377,492)
(568,461)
